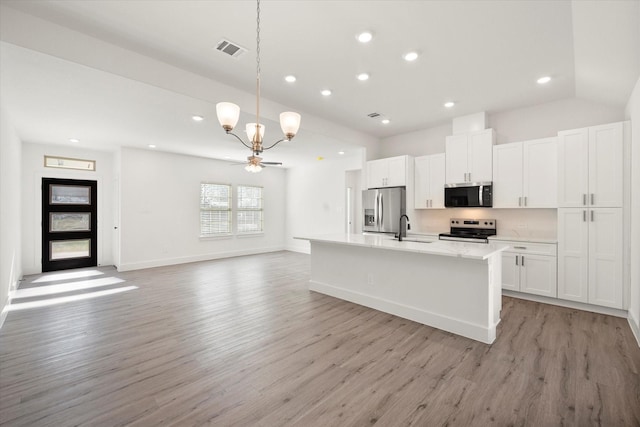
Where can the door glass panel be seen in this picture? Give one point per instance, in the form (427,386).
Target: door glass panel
(71,221)
(70,195)
(64,249)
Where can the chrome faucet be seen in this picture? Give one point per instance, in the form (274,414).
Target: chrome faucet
(401,230)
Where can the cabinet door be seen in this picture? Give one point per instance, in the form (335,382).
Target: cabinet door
(456,159)
(507,175)
(540,173)
(573,168)
(605,257)
(421,189)
(573,256)
(510,271)
(605,165)
(436,180)
(480,156)
(376,173)
(396,171)
(538,275)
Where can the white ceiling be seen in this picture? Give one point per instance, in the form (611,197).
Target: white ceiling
(484,55)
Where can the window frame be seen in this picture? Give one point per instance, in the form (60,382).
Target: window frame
(229,211)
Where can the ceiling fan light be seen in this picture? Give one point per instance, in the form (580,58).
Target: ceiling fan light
(290,123)
(253,168)
(228,115)
(251,131)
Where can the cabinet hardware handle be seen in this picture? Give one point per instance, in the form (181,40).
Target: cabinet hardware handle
(584,200)
(520,247)
(520,201)
(592,199)
(516,259)
(525,200)
(584,216)
(523,260)
(469,176)
(591,216)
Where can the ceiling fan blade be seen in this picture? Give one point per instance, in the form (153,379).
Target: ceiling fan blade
(271,163)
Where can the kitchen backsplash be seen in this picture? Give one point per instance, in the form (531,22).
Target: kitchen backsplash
(534,223)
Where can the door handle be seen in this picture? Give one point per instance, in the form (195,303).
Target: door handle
(592,199)
(520,201)
(584,216)
(381,210)
(516,259)
(523,260)
(584,200)
(469,176)
(525,200)
(591,216)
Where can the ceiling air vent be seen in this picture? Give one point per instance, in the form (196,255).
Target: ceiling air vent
(373,115)
(230,48)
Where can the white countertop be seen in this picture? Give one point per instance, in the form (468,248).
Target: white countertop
(523,239)
(440,247)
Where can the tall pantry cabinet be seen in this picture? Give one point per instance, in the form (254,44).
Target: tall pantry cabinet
(590,217)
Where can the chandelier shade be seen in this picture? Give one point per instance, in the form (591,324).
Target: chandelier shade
(251,132)
(228,115)
(290,123)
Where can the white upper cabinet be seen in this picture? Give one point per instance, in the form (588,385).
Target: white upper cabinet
(429,182)
(590,166)
(389,172)
(469,157)
(525,174)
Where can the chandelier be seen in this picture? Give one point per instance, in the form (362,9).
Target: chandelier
(229,113)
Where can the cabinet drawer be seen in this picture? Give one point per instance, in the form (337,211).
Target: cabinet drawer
(530,248)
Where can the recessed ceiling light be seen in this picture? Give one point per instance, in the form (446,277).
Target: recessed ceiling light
(152,146)
(341,152)
(363,76)
(197,118)
(386,121)
(74,140)
(543,80)
(290,78)
(449,104)
(364,37)
(410,56)
(325,92)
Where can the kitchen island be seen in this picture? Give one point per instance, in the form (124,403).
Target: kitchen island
(453,286)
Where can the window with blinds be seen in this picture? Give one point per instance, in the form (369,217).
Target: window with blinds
(215,209)
(250,213)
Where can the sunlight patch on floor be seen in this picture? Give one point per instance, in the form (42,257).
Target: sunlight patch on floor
(68,276)
(61,300)
(65,287)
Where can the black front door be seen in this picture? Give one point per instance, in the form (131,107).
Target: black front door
(69,224)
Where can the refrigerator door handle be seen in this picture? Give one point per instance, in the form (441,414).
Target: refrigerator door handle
(381,211)
(377,211)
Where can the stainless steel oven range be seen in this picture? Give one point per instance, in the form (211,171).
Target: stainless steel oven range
(470,230)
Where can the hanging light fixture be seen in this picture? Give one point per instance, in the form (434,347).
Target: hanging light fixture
(229,113)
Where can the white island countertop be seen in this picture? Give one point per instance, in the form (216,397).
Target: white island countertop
(440,247)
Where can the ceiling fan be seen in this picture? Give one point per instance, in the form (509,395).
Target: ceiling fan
(255,163)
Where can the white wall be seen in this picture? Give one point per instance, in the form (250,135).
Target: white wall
(33,171)
(316,199)
(10,218)
(160,211)
(522,124)
(633,113)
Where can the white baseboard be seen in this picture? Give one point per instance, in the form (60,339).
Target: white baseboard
(635,327)
(435,320)
(195,258)
(568,304)
(5,311)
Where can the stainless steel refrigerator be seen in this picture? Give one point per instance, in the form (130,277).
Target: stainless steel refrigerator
(382,209)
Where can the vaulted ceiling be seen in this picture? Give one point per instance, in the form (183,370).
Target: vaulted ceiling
(482,55)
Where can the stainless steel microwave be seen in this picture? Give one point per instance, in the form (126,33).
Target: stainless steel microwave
(476,195)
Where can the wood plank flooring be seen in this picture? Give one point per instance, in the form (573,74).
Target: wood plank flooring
(242,342)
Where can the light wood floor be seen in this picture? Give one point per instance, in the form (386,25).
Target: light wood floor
(242,342)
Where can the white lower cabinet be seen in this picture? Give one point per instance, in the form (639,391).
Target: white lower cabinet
(590,256)
(530,268)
